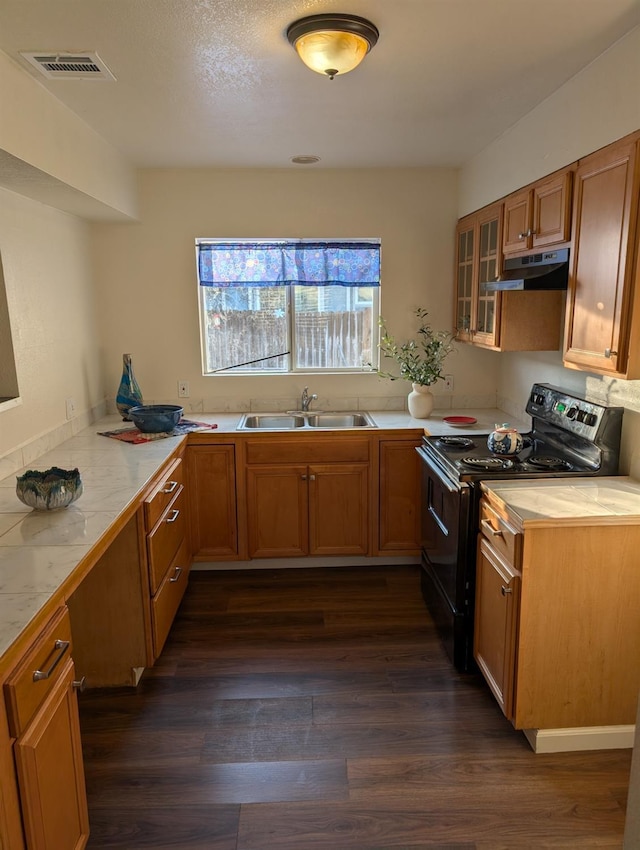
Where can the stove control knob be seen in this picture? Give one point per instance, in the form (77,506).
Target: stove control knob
(582,414)
(590,419)
(572,412)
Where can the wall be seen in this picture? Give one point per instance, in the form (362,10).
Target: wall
(47,271)
(594,108)
(147,290)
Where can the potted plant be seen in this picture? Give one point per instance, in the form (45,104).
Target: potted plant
(421,361)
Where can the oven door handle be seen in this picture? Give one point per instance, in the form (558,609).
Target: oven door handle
(446,483)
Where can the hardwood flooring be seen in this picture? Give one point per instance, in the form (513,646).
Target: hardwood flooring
(315,709)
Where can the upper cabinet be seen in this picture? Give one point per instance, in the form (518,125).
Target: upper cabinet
(602,322)
(501,321)
(539,215)
(478,261)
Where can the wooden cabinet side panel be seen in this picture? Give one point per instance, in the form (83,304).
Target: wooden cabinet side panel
(579,641)
(338,509)
(11,833)
(110,613)
(51,774)
(213,506)
(277,513)
(399,509)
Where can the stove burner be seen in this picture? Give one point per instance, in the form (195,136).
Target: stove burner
(456,442)
(488,462)
(548,462)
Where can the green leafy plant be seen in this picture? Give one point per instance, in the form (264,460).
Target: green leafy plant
(420,360)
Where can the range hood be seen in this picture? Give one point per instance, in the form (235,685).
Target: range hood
(549,270)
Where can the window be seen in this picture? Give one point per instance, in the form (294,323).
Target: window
(281,306)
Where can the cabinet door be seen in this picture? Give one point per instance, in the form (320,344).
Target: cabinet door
(399,498)
(338,509)
(50,772)
(551,212)
(277,511)
(486,328)
(466,241)
(496,615)
(212,491)
(600,282)
(517,222)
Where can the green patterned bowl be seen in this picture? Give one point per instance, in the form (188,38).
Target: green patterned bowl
(50,490)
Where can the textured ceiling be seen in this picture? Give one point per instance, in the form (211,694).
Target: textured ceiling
(215,82)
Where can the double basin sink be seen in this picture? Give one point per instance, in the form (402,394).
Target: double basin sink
(296,419)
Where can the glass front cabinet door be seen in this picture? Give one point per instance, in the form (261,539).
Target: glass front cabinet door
(478,261)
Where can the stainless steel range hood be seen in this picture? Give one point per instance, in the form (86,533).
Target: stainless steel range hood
(547,270)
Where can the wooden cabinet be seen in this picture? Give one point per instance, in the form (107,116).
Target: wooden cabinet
(307,497)
(560,645)
(497,606)
(212,497)
(539,215)
(501,321)
(43,719)
(478,260)
(399,497)
(168,549)
(602,321)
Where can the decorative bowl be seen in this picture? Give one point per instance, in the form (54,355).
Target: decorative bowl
(156,418)
(50,490)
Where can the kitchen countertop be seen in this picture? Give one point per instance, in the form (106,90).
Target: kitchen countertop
(40,550)
(570,501)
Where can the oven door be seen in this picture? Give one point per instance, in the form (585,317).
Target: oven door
(447,563)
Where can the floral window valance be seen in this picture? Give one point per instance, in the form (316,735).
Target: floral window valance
(285,263)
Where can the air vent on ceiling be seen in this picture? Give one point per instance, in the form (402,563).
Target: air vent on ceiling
(68,66)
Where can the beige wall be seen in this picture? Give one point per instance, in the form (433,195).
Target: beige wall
(596,107)
(147,288)
(49,286)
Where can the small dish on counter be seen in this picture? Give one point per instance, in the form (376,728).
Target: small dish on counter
(459,421)
(50,490)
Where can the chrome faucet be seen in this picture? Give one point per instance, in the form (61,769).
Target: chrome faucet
(306,399)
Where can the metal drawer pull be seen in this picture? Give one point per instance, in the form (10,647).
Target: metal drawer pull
(62,646)
(176,514)
(176,575)
(171,486)
(486,526)
(79,684)
(504,590)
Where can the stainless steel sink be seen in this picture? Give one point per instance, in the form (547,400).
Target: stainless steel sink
(339,420)
(294,421)
(270,421)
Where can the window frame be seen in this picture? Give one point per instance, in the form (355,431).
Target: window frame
(290,314)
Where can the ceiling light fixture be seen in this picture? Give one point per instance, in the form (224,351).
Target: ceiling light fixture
(332,44)
(305,159)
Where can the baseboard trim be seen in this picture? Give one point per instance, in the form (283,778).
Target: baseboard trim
(304,563)
(581,738)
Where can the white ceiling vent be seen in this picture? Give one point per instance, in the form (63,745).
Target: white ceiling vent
(69,66)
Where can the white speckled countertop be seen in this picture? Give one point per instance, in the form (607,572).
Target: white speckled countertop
(570,501)
(39,550)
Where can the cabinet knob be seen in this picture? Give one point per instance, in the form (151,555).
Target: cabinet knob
(79,684)
(608,352)
(312,478)
(504,590)
(304,477)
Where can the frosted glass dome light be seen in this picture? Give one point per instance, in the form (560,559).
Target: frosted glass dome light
(332,44)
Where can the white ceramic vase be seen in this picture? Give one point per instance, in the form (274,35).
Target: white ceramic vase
(420,402)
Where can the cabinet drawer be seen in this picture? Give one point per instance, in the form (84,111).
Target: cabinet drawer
(35,677)
(319,450)
(166,601)
(164,491)
(504,538)
(166,537)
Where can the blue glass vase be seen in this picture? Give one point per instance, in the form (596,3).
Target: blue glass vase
(129,394)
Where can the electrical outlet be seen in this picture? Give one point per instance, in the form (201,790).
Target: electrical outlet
(183,389)
(70,404)
(448,383)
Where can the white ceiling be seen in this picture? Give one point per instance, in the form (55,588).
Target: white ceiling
(215,82)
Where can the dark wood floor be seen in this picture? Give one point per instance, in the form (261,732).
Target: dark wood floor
(315,710)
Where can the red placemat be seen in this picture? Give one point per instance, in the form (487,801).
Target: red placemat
(133,435)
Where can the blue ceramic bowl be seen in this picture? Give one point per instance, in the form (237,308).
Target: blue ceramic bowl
(50,490)
(156,418)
